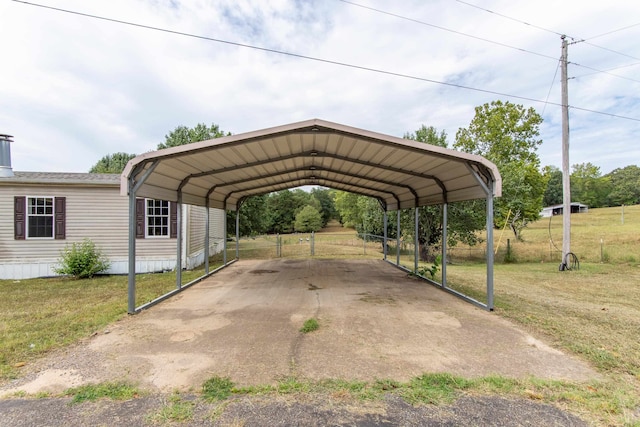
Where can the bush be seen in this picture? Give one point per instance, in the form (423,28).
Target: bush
(82,260)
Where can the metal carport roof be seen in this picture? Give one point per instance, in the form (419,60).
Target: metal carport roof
(222,172)
(400,173)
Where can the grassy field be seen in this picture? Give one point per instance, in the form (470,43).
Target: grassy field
(598,236)
(593,312)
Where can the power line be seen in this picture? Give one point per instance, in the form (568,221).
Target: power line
(555,32)
(550,88)
(610,50)
(597,71)
(492,41)
(384,12)
(610,69)
(510,18)
(311,58)
(614,31)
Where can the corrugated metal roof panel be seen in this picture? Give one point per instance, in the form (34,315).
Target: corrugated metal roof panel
(398,172)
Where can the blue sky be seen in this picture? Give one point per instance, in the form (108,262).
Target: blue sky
(73,89)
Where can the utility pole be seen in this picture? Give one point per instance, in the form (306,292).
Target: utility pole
(566,178)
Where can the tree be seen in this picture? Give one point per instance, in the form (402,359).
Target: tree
(508,135)
(308,219)
(182,135)
(112,163)
(428,135)
(347,207)
(625,186)
(325,198)
(553,192)
(281,210)
(587,185)
(464,218)
(253,220)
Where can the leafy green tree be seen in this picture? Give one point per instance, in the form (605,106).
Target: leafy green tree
(464,218)
(553,193)
(325,197)
(252,217)
(347,206)
(624,186)
(281,210)
(508,135)
(308,219)
(112,163)
(428,135)
(587,185)
(182,135)
(362,213)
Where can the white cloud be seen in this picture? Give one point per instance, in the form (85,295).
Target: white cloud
(75,88)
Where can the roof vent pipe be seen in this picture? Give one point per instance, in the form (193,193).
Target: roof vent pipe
(5,156)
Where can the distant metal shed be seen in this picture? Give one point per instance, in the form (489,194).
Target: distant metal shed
(399,173)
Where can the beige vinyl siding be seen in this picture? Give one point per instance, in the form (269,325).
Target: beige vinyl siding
(196,229)
(101,214)
(195,232)
(96,213)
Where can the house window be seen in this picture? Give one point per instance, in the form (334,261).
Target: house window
(40,216)
(157,218)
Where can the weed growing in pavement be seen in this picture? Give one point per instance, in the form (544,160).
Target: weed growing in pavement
(177,410)
(217,388)
(310,325)
(434,388)
(111,390)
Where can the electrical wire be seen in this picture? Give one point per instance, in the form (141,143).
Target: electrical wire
(510,18)
(585,41)
(610,69)
(550,88)
(384,12)
(316,59)
(614,31)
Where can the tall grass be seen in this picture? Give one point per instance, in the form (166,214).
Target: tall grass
(596,236)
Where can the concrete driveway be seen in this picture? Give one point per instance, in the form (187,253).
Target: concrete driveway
(244,321)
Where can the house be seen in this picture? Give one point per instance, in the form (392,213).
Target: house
(43,212)
(557,209)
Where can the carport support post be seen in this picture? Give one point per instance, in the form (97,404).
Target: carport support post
(206,239)
(444,244)
(398,237)
(179,243)
(490,247)
(132,250)
(384,242)
(417,241)
(237,232)
(313,243)
(224,237)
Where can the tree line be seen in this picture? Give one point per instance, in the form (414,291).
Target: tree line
(588,186)
(507,134)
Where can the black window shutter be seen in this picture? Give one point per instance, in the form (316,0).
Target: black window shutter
(19,217)
(60,220)
(173,220)
(140,215)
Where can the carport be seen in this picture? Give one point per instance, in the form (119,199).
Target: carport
(222,173)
